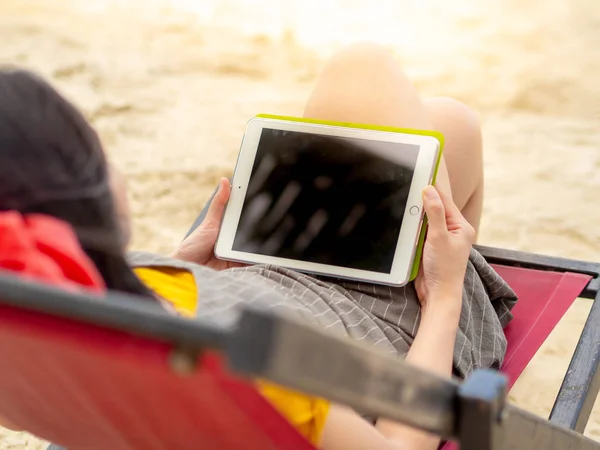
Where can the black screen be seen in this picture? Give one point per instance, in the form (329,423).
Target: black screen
(325,199)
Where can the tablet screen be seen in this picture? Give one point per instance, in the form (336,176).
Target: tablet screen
(326,199)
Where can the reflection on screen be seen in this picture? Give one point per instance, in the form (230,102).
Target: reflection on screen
(324,199)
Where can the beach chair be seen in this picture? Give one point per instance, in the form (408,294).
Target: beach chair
(116,373)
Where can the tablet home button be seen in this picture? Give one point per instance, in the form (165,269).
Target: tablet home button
(414,210)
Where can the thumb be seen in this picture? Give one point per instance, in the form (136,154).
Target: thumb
(217,205)
(434,208)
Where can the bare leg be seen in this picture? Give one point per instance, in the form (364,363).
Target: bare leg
(463,152)
(363,83)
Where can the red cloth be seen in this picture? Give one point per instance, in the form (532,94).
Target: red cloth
(85,386)
(544,298)
(45,249)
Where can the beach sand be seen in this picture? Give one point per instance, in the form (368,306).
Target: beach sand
(171,84)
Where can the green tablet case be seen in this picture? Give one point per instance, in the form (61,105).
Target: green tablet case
(436,134)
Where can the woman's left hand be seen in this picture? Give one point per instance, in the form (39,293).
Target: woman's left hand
(445,254)
(199,247)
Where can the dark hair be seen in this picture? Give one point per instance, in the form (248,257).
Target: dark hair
(53,163)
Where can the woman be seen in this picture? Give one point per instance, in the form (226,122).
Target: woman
(36,124)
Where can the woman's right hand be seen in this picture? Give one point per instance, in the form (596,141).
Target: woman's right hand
(446,252)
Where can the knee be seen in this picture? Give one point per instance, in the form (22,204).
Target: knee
(447,109)
(364,83)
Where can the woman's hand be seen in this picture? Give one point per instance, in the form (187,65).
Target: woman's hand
(439,287)
(199,247)
(446,252)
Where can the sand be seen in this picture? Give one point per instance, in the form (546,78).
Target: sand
(170,85)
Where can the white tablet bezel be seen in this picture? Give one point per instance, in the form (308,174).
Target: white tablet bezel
(429,148)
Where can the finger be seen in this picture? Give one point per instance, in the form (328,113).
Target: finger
(434,208)
(217,206)
(449,205)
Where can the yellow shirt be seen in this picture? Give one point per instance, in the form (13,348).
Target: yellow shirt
(307,414)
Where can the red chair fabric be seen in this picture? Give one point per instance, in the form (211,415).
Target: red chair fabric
(544,298)
(83,386)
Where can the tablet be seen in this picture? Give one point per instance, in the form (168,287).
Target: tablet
(341,200)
